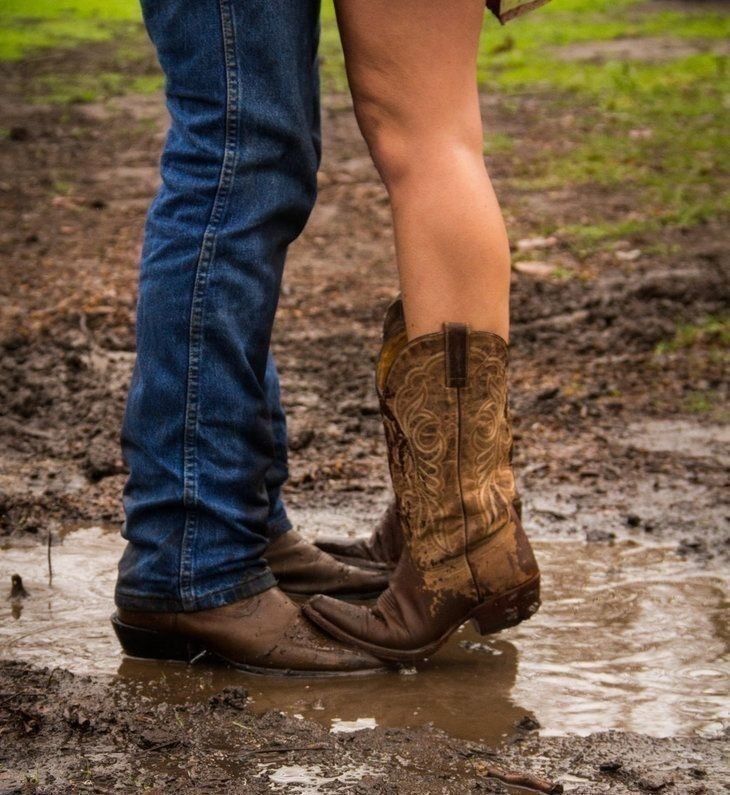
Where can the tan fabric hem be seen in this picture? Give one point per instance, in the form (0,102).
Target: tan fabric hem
(516,12)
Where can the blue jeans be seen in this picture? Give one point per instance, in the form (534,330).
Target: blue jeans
(204,434)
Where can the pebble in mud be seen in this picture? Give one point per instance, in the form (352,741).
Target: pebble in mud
(17,589)
(600,536)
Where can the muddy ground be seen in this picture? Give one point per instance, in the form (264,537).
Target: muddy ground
(64,734)
(616,438)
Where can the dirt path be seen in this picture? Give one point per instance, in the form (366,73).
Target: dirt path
(615,438)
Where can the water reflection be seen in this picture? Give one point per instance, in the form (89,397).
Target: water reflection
(467,694)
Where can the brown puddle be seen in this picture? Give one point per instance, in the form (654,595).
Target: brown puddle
(629,637)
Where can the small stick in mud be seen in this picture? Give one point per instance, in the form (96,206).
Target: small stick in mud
(524,780)
(50,566)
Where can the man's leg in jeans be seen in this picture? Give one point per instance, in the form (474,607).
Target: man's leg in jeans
(239,180)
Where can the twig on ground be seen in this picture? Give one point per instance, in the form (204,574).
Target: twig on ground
(524,780)
(283,749)
(50,564)
(25,430)
(161,746)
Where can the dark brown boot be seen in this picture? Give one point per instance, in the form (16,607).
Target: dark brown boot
(383,548)
(380,551)
(264,634)
(303,570)
(466,556)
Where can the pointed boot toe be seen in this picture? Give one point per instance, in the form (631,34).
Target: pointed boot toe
(339,619)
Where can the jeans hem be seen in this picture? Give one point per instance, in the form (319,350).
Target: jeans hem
(132,600)
(277,528)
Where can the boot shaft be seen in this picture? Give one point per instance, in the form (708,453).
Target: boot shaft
(444,400)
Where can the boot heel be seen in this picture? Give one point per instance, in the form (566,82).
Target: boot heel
(509,609)
(151,645)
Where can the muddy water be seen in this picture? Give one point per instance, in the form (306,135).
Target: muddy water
(629,637)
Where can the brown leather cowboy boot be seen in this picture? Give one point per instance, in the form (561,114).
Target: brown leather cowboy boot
(382,550)
(465,556)
(264,634)
(303,570)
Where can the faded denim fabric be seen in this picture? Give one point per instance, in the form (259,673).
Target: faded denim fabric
(204,434)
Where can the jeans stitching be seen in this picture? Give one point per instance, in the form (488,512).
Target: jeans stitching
(205,260)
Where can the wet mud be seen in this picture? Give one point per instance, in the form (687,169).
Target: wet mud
(66,733)
(621,453)
(604,650)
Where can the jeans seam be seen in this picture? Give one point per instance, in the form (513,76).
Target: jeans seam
(195,336)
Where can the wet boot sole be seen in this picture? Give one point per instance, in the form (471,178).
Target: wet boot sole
(146,644)
(495,614)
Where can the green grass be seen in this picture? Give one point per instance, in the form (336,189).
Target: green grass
(655,131)
(91,88)
(707,402)
(666,142)
(711,332)
(30,25)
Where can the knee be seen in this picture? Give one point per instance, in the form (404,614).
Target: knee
(408,144)
(388,136)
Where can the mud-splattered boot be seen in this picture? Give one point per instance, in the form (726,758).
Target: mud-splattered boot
(465,555)
(383,548)
(263,634)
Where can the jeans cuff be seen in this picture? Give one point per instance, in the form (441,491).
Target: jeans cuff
(153,603)
(277,527)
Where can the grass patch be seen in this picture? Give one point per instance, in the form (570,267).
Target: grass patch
(586,238)
(710,332)
(497,143)
(91,88)
(30,25)
(655,131)
(707,402)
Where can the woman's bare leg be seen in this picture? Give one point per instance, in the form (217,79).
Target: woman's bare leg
(411,65)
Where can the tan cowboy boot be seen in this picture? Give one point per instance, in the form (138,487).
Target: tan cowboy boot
(383,548)
(264,634)
(466,556)
(302,570)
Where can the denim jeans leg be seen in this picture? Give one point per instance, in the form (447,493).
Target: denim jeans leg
(278,472)
(238,183)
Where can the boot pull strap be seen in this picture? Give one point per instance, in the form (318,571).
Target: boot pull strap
(456,350)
